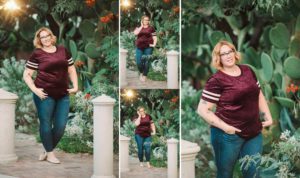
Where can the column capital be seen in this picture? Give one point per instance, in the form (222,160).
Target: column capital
(103,100)
(172,140)
(123,50)
(124,138)
(7,97)
(172,53)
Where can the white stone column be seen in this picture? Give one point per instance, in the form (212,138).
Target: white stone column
(103,137)
(123,53)
(7,126)
(124,153)
(172,69)
(189,151)
(172,158)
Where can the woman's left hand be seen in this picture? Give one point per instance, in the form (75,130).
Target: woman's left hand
(267,123)
(153,133)
(152,45)
(72,90)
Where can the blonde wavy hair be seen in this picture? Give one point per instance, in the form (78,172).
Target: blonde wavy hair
(141,107)
(37,41)
(146,16)
(216,58)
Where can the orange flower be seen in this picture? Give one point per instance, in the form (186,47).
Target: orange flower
(175,99)
(90,3)
(87,96)
(167,1)
(79,63)
(176,9)
(105,19)
(292,88)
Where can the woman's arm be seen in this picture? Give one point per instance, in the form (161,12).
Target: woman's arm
(264,109)
(154,41)
(138,29)
(27,77)
(153,128)
(137,121)
(73,77)
(205,111)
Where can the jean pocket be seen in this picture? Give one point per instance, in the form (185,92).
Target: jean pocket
(231,137)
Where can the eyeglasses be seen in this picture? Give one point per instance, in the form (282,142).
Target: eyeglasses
(44,37)
(226,53)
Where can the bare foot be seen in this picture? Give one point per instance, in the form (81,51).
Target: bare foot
(145,78)
(148,165)
(52,158)
(141,77)
(141,164)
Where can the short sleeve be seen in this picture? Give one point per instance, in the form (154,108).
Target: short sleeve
(254,76)
(212,91)
(32,62)
(153,32)
(69,57)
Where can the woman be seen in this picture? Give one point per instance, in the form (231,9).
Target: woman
(146,41)
(144,127)
(235,125)
(50,88)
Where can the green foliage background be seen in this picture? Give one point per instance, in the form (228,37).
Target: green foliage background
(266,33)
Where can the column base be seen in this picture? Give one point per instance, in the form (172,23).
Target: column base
(125,170)
(8,158)
(95,176)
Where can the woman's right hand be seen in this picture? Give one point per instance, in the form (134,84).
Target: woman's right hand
(231,130)
(138,113)
(141,24)
(40,93)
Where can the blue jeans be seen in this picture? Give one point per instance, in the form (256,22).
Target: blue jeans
(143,64)
(143,143)
(53,117)
(228,148)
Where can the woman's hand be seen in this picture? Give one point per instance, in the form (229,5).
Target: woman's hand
(267,123)
(138,114)
(40,93)
(231,130)
(72,90)
(142,25)
(152,45)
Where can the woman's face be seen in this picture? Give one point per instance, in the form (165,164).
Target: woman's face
(146,21)
(142,111)
(227,56)
(46,38)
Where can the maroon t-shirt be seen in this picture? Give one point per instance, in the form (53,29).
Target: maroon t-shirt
(145,37)
(52,70)
(144,129)
(236,98)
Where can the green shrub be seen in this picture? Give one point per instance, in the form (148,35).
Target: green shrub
(11,79)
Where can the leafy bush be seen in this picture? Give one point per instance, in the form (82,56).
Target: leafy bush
(195,129)
(282,161)
(11,79)
(80,126)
